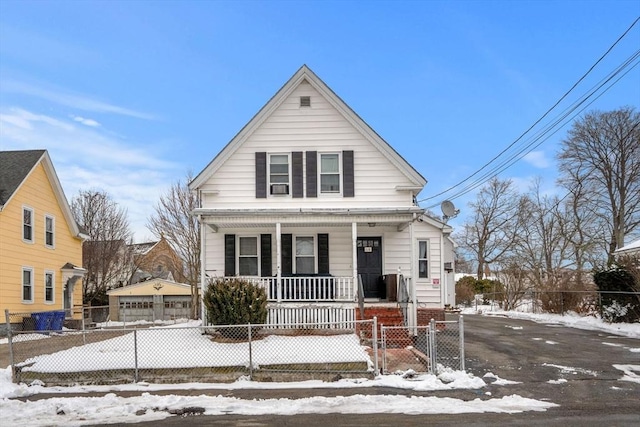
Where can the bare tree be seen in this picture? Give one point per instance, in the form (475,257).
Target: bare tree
(173,220)
(602,155)
(494,227)
(105,254)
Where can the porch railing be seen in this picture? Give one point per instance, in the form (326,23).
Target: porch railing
(307,288)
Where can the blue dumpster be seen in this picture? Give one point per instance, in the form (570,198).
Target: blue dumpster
(42,321)
(57,321)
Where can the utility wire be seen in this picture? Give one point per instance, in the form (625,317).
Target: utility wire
(541,118)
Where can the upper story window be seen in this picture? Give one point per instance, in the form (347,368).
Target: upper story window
(423,259)
(27,224)
(27,284)
(49,231)
(248,256)
(48,286)
(330,173)
(279,173)
(305,255)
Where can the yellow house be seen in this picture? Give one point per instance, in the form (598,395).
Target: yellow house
(40,242)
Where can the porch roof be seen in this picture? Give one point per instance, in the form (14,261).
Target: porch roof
(232,218)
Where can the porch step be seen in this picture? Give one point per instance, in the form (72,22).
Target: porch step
(387,316)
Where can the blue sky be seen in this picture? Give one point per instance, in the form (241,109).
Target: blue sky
(129,96)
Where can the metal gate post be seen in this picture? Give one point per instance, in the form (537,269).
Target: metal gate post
(433,347)
(250,353)
(10,342)
(135,355)
(374,336)
(461,332)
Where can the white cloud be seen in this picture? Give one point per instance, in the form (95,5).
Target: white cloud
(89,157)
(77,101)
(86,122)
(537,159)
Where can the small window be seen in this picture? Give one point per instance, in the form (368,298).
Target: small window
(329,173)
(423,259)
(27,225)
(48,287)
(305,101)
(27,285)
(49,235)
(248,256)
(279,173)
(305,255)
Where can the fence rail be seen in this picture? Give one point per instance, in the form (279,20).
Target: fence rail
(225,353)
(423,349)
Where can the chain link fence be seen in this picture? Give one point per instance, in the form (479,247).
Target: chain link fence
(178,354)
(423,349)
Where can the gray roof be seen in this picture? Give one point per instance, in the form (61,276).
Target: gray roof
(14,168)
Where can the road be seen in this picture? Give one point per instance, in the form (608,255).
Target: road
(518,350)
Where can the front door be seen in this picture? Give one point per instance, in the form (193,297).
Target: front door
(370,266)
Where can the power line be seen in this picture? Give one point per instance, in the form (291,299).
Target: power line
(534,124)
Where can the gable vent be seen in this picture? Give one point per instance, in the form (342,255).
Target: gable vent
(305,101)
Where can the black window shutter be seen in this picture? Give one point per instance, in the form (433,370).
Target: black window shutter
(287,253)
(261,175)
(323,254)
(312,174)
(296,165)
(229,254)
(347,173)
(265,255)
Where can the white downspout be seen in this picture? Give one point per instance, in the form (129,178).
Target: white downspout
(443,279)
(414,276)
(203,274)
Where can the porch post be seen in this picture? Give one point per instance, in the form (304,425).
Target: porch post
(354,239)
(414,276)
(278,262)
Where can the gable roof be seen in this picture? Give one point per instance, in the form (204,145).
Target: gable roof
(305,74)
(15,168)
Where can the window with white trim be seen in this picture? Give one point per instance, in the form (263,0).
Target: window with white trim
(305,255)
(423,259)
(248,256)
(49,231)
(27,284)
(48,287)
(278,174)
(329,173)
(27,224)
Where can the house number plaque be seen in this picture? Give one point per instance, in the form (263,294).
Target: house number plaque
(368,249)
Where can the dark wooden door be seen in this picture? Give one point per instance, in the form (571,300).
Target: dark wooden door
(370,266)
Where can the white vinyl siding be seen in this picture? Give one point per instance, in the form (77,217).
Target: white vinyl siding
(322,129)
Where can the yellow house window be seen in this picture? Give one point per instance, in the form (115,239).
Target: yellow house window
(27,284)
(49,231)
(48,287)
(27,224)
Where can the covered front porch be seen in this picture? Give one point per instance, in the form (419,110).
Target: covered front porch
(323,261)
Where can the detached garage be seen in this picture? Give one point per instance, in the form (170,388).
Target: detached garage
(151,300)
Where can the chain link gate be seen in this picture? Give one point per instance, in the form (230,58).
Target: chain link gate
(423,349)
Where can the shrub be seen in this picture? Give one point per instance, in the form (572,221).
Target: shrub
(618,307)
(465,290)
(235,302)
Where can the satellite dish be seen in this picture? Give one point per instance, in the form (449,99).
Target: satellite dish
(448,209)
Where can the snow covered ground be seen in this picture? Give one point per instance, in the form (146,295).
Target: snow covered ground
(73,407)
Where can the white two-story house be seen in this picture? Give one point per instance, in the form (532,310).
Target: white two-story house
(310,201)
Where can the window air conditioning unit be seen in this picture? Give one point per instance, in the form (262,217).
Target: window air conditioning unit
(279,188)
(448,266)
